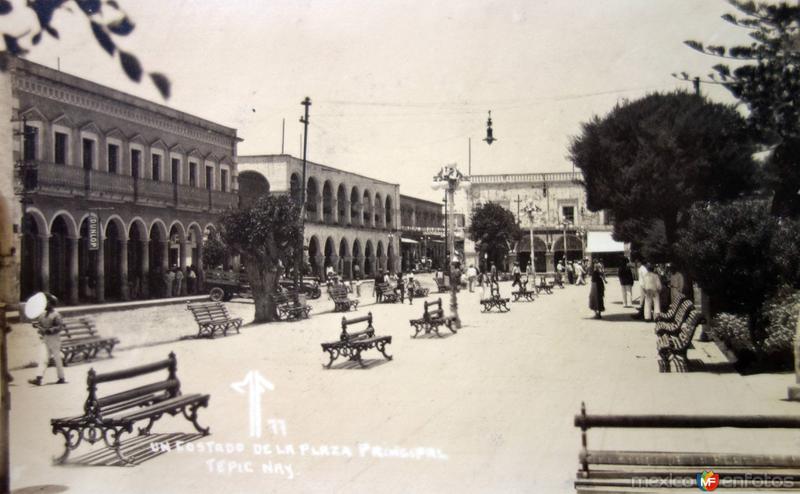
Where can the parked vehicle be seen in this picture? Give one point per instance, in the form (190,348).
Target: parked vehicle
(224,285)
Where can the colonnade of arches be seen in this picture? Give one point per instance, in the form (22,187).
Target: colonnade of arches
(117,260)
(351,258)
(547,254)
(343,205)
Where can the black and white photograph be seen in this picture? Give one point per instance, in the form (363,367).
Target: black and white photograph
(346,246)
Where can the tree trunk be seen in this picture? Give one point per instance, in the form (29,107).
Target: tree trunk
(263,281)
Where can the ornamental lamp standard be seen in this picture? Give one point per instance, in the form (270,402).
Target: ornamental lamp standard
(450,179)
(532,210)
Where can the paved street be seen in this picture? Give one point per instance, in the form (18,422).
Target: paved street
(493,404)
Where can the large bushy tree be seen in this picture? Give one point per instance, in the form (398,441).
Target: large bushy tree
(765,76)
(266,236)
(494,230)
(649,160)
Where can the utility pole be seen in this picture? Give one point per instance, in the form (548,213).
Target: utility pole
(304,120)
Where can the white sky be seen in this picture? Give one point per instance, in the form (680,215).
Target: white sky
(399,87)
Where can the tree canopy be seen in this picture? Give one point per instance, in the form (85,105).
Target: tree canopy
(493,229)
(266,236)
(649,160)
(765,76)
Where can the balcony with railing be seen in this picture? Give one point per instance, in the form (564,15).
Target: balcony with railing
(62,180)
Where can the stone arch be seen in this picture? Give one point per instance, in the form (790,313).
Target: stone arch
(574,248)
(315,257)
(252,186)
(35,237)
(355,203)
(390,254)
(118,223)
(37,217)
(69,220)
(176,250)
(378,210)
(344,266)
(330,253)
(138,262)
(327,202)
(388,212)
(341,204)
(369,259)
(379,254)
(358,259)
(59,250)
(115,255)
(366,208)
(159,257)
(312,199)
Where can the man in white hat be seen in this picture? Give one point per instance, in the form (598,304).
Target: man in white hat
(49,325)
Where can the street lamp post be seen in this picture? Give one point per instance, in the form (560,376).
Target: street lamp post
(449,178)
(532,210)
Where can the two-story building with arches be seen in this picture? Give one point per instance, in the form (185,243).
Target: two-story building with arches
(350,219)
(118,191)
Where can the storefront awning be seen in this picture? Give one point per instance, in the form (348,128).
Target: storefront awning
(408,241)
(603,242)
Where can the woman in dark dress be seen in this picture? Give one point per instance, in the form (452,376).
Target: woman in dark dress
(598,290)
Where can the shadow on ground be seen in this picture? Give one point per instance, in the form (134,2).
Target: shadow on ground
(136,450)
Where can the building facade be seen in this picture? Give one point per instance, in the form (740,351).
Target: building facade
(350,219)
(423,239)
(114,190)
(562,226)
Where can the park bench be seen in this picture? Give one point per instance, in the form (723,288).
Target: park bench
(80,340)
(431,319)
(669,315)
(418,290)
(387,293)
(212,317)
(672,348)
(288,305)
(495,300)
(351,344)
(341,300)
(544,285)
(673,324)
(441,286)
(108,417)
(523,292)
(659,471)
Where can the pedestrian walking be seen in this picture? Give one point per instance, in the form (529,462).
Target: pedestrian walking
(401,288)
(651,286)
(597,290)
(626,280)
(192,280)
(411,285)
(169,279)
(570,268)
(580,274)
(376,292)
(49,326)
(516,273)
(560,273)
(356,271)
(472,275)
(178,282)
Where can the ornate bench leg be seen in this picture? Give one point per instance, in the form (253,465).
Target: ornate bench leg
(116,444)
(334,354)
(191,416)
(72,438)
(381,346)
(357,357)
(145,431)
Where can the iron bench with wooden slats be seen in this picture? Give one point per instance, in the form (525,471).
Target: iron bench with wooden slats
(544,285)
(661,471)
(441,286)
(669,315)
(671,326)
(672,349)
(387,293)
(80,340)
(417,290)
(431,319)
(351,344)
(288,305)
(341,300)
(523,292)
(495,300)
(108,417)
(213,317)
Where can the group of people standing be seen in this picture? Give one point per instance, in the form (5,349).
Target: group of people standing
(574,271)
(658,285)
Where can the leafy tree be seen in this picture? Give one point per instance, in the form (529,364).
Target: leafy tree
(740,254)
(494,229)
(106,20)
(766,78)
(266,236)
(214,251)
(649,160)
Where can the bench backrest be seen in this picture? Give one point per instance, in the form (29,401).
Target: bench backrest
(682,311)
(689,326)
(437,303)
(209,312)
(78,328)
(97,406)
(673,307)
(338,292)
(355,320)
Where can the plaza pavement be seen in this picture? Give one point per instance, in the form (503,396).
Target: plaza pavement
(495,402)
